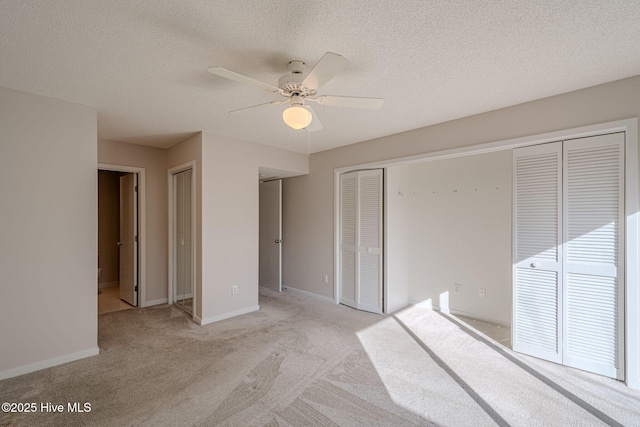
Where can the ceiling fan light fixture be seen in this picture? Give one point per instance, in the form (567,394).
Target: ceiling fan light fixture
(297,117)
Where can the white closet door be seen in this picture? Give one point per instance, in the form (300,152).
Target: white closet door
(593,265)
(348,238)
(537,251)
(369,289)
(361,240)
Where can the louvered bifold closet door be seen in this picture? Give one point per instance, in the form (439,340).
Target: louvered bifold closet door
(348,238)
(537,263)
(593,266)
(369,289)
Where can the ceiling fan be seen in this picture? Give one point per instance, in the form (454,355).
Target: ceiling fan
(298,87)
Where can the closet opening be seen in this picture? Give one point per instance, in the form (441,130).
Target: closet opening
(182,240)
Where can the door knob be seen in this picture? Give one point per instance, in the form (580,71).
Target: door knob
(278,240)
(534,265)
(119,243)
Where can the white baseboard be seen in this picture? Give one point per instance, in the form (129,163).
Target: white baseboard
(44,364)
(154,302)
(460,313)
(103,285)
(224,316)
(309,294)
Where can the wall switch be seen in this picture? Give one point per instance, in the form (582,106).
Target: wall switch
(234,289)
(482,292)
(457,288)
(325,278)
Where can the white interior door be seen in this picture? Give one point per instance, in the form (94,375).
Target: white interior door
(537,251)
(270,223)
(594,260)
(568,253)
(128,274)
(361,206)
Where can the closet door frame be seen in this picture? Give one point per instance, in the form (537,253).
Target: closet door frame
(171,233)
(577,171)
(367,258)
(630,127)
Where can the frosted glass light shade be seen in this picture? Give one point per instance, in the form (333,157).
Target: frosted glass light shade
(297,117)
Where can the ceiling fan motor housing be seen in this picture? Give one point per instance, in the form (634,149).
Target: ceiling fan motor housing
(291,84)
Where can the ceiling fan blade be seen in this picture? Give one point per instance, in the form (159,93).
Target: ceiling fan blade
(232,75)
(350,101)
(315,124)
(329,65)
(259,106)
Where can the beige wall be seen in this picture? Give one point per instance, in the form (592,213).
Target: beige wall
(307,221)
(230,209)
(108,225)
(460,222)
(48,185)
(153,160)
(308,200)
(226,176)
(398,236)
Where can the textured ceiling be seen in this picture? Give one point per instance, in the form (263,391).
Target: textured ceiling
(143,63)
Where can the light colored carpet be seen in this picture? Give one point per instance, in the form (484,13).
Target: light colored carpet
(300,361)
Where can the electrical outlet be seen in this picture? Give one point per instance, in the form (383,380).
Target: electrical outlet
(482,292)
(325,278)
(457,288)
(234,289)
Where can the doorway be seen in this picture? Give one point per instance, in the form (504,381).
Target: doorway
(119,232)
(270,224)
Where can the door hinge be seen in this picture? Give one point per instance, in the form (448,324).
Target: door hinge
(135,238)
(136,288)
(135,188)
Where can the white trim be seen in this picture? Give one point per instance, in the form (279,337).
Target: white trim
(44,364)
(630,127)
(384,248)
(224,316)
(309,294)
(632,297)
(156,302)
(194,225)
(142,221)
(336,236)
